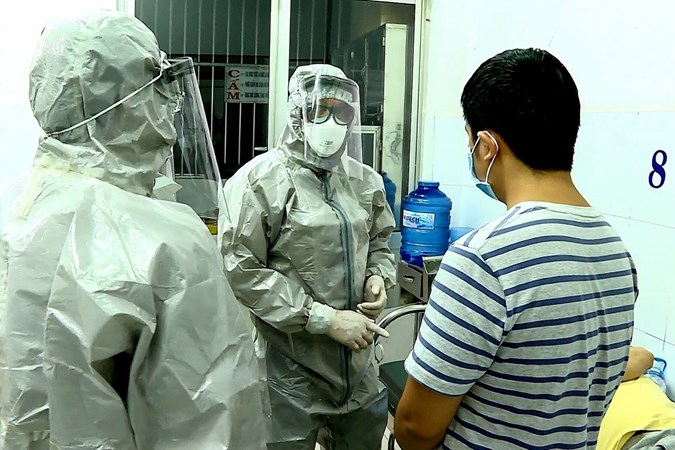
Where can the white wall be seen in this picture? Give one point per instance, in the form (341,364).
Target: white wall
(622,57)
(20,25)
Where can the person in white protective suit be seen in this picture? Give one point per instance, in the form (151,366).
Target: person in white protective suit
(117,327)
(304,233)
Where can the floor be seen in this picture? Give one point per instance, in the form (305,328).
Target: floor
(385,439)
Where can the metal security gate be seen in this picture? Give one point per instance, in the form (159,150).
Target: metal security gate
(224,38)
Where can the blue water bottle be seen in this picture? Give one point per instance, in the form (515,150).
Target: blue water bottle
(425,229)
(657,373)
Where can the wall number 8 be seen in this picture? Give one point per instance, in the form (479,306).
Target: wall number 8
(657,177)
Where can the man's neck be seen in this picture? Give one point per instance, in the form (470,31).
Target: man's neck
(550,187)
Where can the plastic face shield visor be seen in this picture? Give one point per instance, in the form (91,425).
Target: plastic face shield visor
(331,116)
(193,166)
(328,96)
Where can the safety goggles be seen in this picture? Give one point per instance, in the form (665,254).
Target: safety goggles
(342,113)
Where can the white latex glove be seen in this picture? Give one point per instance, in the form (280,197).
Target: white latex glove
(349,328)
(375,297)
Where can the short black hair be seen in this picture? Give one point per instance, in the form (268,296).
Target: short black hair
(529,98)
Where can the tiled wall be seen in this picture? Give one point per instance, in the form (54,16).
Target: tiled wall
(613,167)
(616,55)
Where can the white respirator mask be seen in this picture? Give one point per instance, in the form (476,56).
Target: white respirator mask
(327,138)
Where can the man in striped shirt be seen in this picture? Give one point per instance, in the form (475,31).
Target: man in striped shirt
(527,332)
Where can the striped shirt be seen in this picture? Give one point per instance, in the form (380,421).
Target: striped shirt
(530,320)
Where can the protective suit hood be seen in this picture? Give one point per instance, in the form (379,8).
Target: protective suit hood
(82,66)
(307,85)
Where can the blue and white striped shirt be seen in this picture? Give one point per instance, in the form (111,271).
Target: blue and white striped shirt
(530,320)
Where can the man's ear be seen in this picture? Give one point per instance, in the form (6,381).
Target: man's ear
(488,146)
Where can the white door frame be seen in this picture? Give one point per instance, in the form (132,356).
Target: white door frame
(127,6)
(280,42)
(419,81)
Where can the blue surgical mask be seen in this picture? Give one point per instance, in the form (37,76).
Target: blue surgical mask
(484,186)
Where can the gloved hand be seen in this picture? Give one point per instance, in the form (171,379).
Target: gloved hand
(375,297)
(349,328)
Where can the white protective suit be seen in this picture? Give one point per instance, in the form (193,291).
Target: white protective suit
(293,235)
(117,328)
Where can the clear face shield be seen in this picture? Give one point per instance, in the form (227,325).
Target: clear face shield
(331,124)
(191,176)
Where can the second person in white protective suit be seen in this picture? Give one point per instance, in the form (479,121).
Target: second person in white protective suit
(304,235)
(117,327)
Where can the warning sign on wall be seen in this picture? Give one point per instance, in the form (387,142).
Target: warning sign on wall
(247,83)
